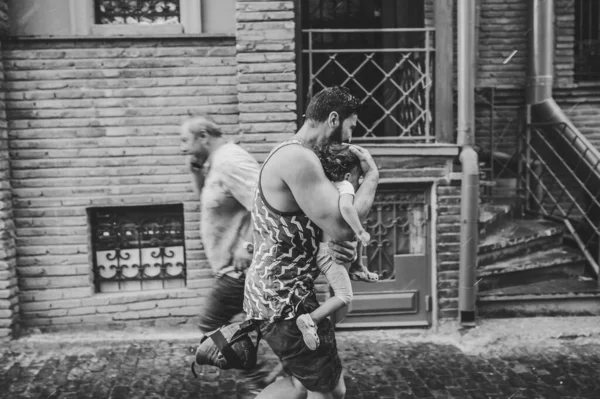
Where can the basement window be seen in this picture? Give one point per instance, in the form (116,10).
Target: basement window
(135,17)
(118,12)
(138,248)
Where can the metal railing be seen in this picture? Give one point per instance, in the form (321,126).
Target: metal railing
(390,70)
(560,182)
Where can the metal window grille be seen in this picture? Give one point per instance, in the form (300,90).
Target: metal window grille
(138,248)
(382,52)
(587,40)
(146,12)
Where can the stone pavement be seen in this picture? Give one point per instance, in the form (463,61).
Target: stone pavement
(532,358)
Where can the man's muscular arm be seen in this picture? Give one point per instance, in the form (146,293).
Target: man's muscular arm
(317,196)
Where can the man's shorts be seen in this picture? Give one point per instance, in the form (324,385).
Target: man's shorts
(318,370)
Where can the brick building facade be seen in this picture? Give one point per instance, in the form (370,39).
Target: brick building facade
(92,121)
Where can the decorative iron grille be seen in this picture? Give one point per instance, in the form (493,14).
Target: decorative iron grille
(394,82)
(397,223)
(109,12)
(138,248)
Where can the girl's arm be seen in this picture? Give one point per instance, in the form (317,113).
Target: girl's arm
(350,215)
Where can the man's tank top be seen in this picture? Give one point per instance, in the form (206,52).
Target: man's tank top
(284,263)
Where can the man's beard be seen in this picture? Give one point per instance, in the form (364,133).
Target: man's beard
(334,138)
(336,135)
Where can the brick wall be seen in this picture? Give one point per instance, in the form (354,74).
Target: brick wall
(9,290)
(448,246)
(564,42)
(585,115)
(503,29)
(96,123)
(266,68)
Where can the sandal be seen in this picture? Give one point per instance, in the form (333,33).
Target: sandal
(364,275)
(307,327)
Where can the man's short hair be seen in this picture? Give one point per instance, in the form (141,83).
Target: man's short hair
(332,99)
(202,124)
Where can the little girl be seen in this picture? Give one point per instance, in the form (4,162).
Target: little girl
(343,168)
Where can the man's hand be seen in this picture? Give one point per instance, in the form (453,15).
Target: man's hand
(367,163)
(198,173)
(241,259)
(343,251)
(195,165)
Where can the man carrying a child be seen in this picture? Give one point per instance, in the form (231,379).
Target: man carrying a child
(295,203)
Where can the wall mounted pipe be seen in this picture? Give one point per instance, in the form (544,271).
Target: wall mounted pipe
(466,72)
(469,235)
(469,210)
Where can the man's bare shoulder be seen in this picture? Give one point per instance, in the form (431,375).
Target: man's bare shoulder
(291,159)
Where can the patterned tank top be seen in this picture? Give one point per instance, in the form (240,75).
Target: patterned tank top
(284,265)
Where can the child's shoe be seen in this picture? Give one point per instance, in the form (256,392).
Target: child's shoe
(361,273)
(307,327)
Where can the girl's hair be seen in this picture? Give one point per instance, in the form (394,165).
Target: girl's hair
(337,160)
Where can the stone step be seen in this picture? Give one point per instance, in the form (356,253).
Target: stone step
(491,214)
(408,174)
(557,297)
(516,237)
(540,266)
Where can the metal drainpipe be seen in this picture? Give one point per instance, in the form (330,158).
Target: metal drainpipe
(469,209)
(540,66)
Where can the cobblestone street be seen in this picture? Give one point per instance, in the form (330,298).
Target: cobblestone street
(502,360)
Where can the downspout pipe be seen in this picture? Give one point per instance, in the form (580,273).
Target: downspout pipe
(469,210)
(540,76)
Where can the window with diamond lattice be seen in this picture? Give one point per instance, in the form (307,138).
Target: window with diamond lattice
(146,12)
(138,248)
(382,52)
